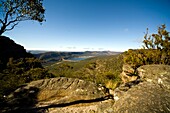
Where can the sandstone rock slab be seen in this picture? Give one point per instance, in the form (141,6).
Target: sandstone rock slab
(58,95)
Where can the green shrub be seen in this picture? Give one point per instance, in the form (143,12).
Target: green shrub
(156,50)
(19,72)
(137,58)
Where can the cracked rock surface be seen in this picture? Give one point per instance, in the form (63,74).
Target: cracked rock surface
(150,96)
(60,95)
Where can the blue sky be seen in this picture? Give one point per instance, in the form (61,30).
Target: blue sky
(93,25)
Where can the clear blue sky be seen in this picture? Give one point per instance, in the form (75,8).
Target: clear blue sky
(97,25)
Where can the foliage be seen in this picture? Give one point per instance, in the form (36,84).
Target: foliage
(160,41)
(9,49)
(14,11)
(101,69)
(19,72)
(141,57)
(156,50)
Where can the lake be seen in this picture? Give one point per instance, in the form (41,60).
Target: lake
(79,58)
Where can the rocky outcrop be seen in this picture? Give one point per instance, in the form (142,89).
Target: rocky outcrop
(130,78)
(158,74)
(152,94)
(128,74)
(60,95)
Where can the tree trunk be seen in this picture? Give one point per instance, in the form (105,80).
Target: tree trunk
(2,30)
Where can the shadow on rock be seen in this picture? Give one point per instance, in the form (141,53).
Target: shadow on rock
(21,101)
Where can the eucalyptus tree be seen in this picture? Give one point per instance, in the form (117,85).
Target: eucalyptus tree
(14,11)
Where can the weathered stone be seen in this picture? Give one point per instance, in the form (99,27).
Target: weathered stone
(159,74)
(128,74)
(127,69)
(144,98)
(151,95)
(60,95)
(125,78)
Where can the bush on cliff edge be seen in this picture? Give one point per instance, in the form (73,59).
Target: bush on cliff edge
(156,50)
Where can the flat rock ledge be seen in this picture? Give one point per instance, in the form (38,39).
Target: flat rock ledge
(60,95)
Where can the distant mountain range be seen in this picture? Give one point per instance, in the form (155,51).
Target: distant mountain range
(54,56)
(91,52)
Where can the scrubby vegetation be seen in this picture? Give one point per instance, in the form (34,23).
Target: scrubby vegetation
(19,72)
(103,69)
(156,50)
(17,67)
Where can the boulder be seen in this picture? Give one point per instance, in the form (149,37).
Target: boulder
(128,74)
(128,69)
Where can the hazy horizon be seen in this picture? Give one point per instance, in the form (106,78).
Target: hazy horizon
(71,51)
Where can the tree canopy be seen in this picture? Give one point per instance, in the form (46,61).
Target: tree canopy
(14,11)
(161,40)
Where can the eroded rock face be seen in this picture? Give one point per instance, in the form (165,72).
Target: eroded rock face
(60,95)
(128,74)
(150,96)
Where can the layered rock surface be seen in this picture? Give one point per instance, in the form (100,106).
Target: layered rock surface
(60,95)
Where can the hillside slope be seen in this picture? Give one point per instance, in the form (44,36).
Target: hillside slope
(103,69)
(17,67)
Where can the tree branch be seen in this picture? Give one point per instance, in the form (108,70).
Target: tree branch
(15,20)
(12,21)
(6,17)
(8,12)
(12,27)
(1,21)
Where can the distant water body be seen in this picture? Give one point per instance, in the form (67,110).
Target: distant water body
(79,58)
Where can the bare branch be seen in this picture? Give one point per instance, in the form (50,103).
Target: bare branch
(12,21)
(16,20)
(1,21)
(6,17)
(12,27)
